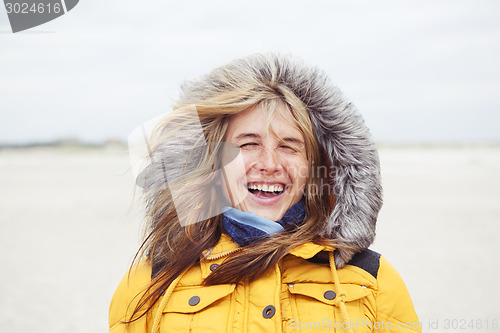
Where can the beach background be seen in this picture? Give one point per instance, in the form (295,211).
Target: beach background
(424,74)
(70,228)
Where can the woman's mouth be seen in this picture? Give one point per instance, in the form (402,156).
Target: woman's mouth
(266,190)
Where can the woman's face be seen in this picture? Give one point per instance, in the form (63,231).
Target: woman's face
(275,171)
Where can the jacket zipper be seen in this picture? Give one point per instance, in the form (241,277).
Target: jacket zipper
(223,254)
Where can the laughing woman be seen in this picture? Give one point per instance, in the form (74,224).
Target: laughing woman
(262,193)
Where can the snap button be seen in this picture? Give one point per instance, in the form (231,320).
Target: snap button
(329,294)
(194,300)
(213,267)
(268,311)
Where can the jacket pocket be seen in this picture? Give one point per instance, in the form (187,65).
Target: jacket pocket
(198,309)
(316,307)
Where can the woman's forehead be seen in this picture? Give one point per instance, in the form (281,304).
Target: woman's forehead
(259,121)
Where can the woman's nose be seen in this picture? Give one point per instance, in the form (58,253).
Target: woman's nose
(268,161)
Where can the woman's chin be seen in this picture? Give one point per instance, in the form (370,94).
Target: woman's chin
(274,211)
(270,215)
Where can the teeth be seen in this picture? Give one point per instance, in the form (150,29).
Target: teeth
(266,188)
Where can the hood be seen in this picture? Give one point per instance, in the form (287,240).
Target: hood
(340,131)
(353,158)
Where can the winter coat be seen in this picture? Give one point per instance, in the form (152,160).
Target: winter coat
(299,295)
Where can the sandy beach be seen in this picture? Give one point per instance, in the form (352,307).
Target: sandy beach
(69,231)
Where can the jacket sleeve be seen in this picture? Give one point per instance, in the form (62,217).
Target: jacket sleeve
(126,298)
(395,311)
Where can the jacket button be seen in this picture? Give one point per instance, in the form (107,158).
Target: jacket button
(194,300)
(268,311)
(329,294)
(213,267)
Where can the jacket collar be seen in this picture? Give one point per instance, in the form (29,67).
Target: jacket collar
(226,246)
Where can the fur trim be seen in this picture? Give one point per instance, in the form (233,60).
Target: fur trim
(341,133)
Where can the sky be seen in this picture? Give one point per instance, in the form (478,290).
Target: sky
(419,71)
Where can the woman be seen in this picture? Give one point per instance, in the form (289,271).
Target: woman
(262,194)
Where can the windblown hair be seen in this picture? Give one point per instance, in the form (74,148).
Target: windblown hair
(341,204)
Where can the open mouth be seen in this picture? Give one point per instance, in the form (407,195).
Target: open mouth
(266,190)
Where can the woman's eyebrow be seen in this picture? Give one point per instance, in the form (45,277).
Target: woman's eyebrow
(293,140)
(248,135)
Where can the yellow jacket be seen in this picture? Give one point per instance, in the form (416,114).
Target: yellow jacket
(299,295)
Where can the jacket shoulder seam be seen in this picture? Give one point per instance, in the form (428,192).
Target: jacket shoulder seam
(368,260)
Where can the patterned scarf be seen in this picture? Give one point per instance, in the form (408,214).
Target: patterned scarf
(246,227)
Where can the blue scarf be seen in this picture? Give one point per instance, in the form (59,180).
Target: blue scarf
(246,227)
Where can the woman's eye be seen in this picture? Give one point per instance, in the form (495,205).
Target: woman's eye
(249,145)
(288,149)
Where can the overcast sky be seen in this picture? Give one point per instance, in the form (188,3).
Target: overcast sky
(419,71)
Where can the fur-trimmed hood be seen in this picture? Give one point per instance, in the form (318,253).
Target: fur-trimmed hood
(344,138)
(340,132)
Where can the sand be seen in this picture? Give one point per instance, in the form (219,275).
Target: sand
(68,234)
